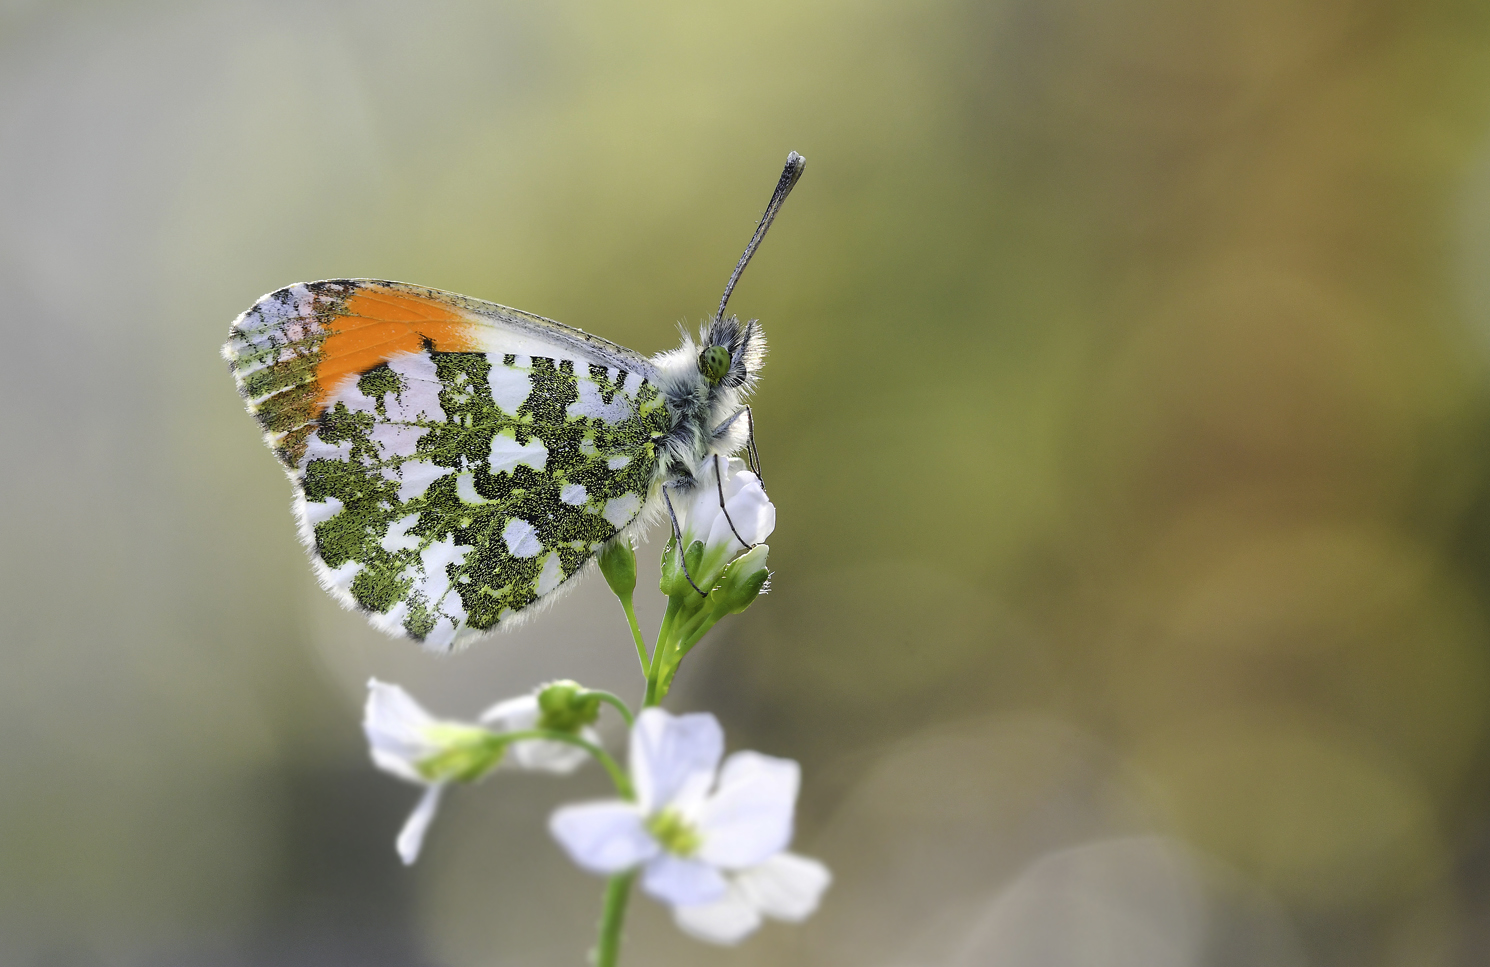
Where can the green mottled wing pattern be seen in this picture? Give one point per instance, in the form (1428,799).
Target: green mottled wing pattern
(448,492)
(455,461)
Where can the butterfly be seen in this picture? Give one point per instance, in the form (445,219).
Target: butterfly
(457,463)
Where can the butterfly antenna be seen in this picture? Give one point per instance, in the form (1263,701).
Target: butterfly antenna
(789,175)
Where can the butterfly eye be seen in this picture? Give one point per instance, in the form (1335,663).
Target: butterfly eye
(714,363)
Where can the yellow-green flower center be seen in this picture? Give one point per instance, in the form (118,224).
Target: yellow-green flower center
(466,755)
(674,833)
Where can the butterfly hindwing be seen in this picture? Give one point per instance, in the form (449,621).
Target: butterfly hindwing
(455,461)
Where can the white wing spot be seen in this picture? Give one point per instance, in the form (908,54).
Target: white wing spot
(415,476)
(521,538)
(420,397)
(318,449)
(551,576)
(507,454)
(465,488)
(398,538)
(620,510)
(510,385)
(391,622)
(342,577)
(318,511)
(591,404)
(573,495)
(435,558)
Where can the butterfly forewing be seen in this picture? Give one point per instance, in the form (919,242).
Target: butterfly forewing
(455,461)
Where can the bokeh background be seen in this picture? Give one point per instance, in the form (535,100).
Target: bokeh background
(1127,416)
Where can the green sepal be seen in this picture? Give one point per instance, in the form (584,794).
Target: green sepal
(694,558)
(674,582)
(671,575)
(742,582)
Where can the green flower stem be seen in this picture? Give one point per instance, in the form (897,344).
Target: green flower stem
(651,699)
(695,630)
(618,775)
(614,701)
(674,620)
(612,918)
(636,634)
(687,621)
(663,640)
(688,618)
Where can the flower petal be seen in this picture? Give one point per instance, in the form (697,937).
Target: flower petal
(561,758)
(513,714)
(702,508)
(748,515)
(397,765)
(392,717)
(411,837)
(673,758)
(752,512)
(749,817)
(786,886)
(396,728)
(603,837)
(726,921)
(681,882)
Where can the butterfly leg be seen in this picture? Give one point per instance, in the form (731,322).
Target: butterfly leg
(678,536)
(752,455)
(750,451)
(719,481)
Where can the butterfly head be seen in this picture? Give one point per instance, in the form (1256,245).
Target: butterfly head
(731,352)
(713,362)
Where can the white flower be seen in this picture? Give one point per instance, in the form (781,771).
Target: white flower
(684,830)
(784,887)
(746,507)
(413,745)
(540,755)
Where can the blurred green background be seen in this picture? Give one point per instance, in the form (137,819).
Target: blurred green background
(1126,414)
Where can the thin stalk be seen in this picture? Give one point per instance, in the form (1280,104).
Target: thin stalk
(664,641)
(695,630)
(636,635)
(675,641)
(612,918)
(614,701)
(617,774)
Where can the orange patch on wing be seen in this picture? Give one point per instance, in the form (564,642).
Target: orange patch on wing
(381,323)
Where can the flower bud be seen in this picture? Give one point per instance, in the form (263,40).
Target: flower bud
(742,581)
(727,511)
(564,707)
(618,564)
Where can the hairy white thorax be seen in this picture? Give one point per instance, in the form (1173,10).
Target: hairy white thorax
(706,415)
